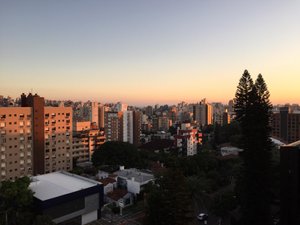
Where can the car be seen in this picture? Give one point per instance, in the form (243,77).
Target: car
(202,216)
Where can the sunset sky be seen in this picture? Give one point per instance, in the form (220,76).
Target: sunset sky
(148,51)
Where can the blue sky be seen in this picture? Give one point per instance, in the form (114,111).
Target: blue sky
(140,51)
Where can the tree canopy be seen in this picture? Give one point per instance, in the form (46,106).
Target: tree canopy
(117,153)
(169,200)
(253,111)
(16,201)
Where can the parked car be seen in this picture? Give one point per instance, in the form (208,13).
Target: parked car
(202,216)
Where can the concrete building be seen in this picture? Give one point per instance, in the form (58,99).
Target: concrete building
(226,118)
(123,126)
(94,112)
(290,184)
(16,145)
(149,110)
(137,127)
(161,123)
(82,126)
(286,125)
(187,139)
(203,113)
(51,135)
(80,146)
(67,198)
(134,180)
(127,125)
(113,126)
(58,139)
(102,110)
(85,143)
(121,107)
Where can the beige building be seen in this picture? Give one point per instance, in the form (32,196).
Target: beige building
(94,112)
(58,139)
(83,125)
(80,147)
(85,143)
(15,142)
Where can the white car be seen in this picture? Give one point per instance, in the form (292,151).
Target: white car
(202,216)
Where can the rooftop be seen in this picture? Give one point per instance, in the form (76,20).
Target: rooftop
(56,184)
(117,194)
(135,174)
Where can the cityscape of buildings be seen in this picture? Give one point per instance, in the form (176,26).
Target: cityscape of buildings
(39,136)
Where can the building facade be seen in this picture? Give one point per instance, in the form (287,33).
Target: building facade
(16,144)
(286,125)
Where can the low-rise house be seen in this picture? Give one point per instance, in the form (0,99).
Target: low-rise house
(109,184)
(134,180)
(120,197)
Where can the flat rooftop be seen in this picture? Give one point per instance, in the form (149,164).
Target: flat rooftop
(56,184)
(138,176)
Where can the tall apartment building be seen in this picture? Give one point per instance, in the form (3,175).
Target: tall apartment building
(113,126)
(286,125)
(127,126)
(121,107)
(58,139)
(16,145)
(203,113)
(187,139)
(123,126)
(85,142)
(161,123)
(94,112)
(137,126)
(51,135)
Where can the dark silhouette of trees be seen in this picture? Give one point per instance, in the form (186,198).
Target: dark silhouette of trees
(169,200)
(253,111)
(117,153)
(15,201)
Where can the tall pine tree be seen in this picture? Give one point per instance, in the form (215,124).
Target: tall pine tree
(253,111)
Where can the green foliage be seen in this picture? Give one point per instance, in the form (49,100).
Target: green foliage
(228,133)
(223,203)
(117,153)
(253,111)
(77,170)
(16,201)
(169,201)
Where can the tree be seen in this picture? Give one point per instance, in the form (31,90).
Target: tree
(16,201)
(117,153)
(169,201)
(223,203)
(253,111)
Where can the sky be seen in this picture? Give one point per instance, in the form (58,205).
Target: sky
(148,51)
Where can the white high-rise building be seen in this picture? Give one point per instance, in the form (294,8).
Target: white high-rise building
(128,126)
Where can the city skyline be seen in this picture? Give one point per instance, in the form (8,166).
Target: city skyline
(142,52)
